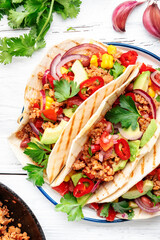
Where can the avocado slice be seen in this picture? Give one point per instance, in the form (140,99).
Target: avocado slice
(121,164)
(68,112)
(134,149)
(132,204)
(134,193)
(75,178)
(80,73)
(148,134)
(142,81)
(51,135)
(82,200)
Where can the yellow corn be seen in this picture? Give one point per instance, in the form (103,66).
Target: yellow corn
(150,83)
(49,101)
(94,61)
(124,69)
(107,61)
(64,70)
(111,49)
(116,200)
(151,92)
(69,175)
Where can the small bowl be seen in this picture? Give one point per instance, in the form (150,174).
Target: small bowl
(21,213)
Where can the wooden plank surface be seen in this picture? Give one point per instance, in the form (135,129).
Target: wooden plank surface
(94,21)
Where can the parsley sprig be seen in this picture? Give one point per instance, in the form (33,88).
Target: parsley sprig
(70,206)
(64,89)
(37,15)
(39,153)
(117,70)
(126,114)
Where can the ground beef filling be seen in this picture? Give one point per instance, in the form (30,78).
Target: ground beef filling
(9,232)
(90,165)
(26,132)
(156,184)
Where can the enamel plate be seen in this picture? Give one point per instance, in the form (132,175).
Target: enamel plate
(90,215)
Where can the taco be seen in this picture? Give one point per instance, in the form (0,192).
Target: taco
(107,150)
(73,74)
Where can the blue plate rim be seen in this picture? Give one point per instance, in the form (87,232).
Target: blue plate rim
(41,188)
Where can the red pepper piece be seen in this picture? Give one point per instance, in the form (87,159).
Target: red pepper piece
(128,58)
(94,206)
(111,214)
(81,189)
(50,79)
(106,141)
(131,95)
(122,149)
(95,148)
(63,188)
(139,186)
(50,114)
(145,68)
(92,85)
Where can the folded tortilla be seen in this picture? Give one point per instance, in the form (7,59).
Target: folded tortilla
(107,190)
(60,151)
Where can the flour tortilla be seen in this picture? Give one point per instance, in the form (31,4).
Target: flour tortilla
(106,189)
(80,117)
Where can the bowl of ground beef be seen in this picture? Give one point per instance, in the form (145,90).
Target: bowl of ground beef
(16,219)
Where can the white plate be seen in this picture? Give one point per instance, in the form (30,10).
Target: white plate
(90,215)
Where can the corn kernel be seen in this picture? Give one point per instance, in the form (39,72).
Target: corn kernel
(49,99)
(107,61)
(150,82)
(64,70)
(151,92)
(124,69)
(69,175)
(94,61)
(111,49)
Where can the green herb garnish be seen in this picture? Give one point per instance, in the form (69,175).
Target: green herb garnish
(117,70)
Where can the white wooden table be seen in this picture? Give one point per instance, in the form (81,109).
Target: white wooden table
(94,21)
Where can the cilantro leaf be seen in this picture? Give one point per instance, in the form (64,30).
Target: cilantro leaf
(64,89)
(126,113)
(105,210)
(154,198)
(69,8)
(121,207)
(158,98)
(35,174)
(117,70)
(130,214)
(68,204)
(16,18)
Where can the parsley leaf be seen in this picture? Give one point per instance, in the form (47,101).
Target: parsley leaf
(69,8)
(121,207)
(16,18)
(70,206)
(130,214)
(158,98)
(90,151)
(154,198)
(35,174)
(117,70)
(126,113)
(64,89)
(105,210)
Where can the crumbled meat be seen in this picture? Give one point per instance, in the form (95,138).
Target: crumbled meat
(26,132)
(34,111)
(40,76)
(51,93)
(46,86)
(143,123)
(94,71)
(156,183)
(11,232)
(48,125)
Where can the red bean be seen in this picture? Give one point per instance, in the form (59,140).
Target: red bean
(146,201)
(24,143)
(129,88)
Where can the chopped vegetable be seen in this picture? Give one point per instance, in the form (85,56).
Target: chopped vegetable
(122,207)
(154,198)
(81,189)
(139,186)
(107,61)
(70,206)
(134,149)
(65,90)
(62,189)
(145,68)
(35,174)
(126,113)
(50,114)
(117,70)
(105,210)
(128,58)
(122,149)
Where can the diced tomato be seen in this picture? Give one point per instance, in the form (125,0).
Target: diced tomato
(131,95)
(95,148)
(76,100)
(106,141)
(60,111)
(139,186)
(50,114)
(94,206)
(128,58)
(62,189)
(111,214)
(35,105)
(145,68)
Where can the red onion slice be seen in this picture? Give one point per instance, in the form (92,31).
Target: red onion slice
(85,46)
(101,155)
(35,130)
(145,208)
(53,66)
(95,186)
(148,99)
(43,99)
(155,78)
(44,79)
(85,62)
